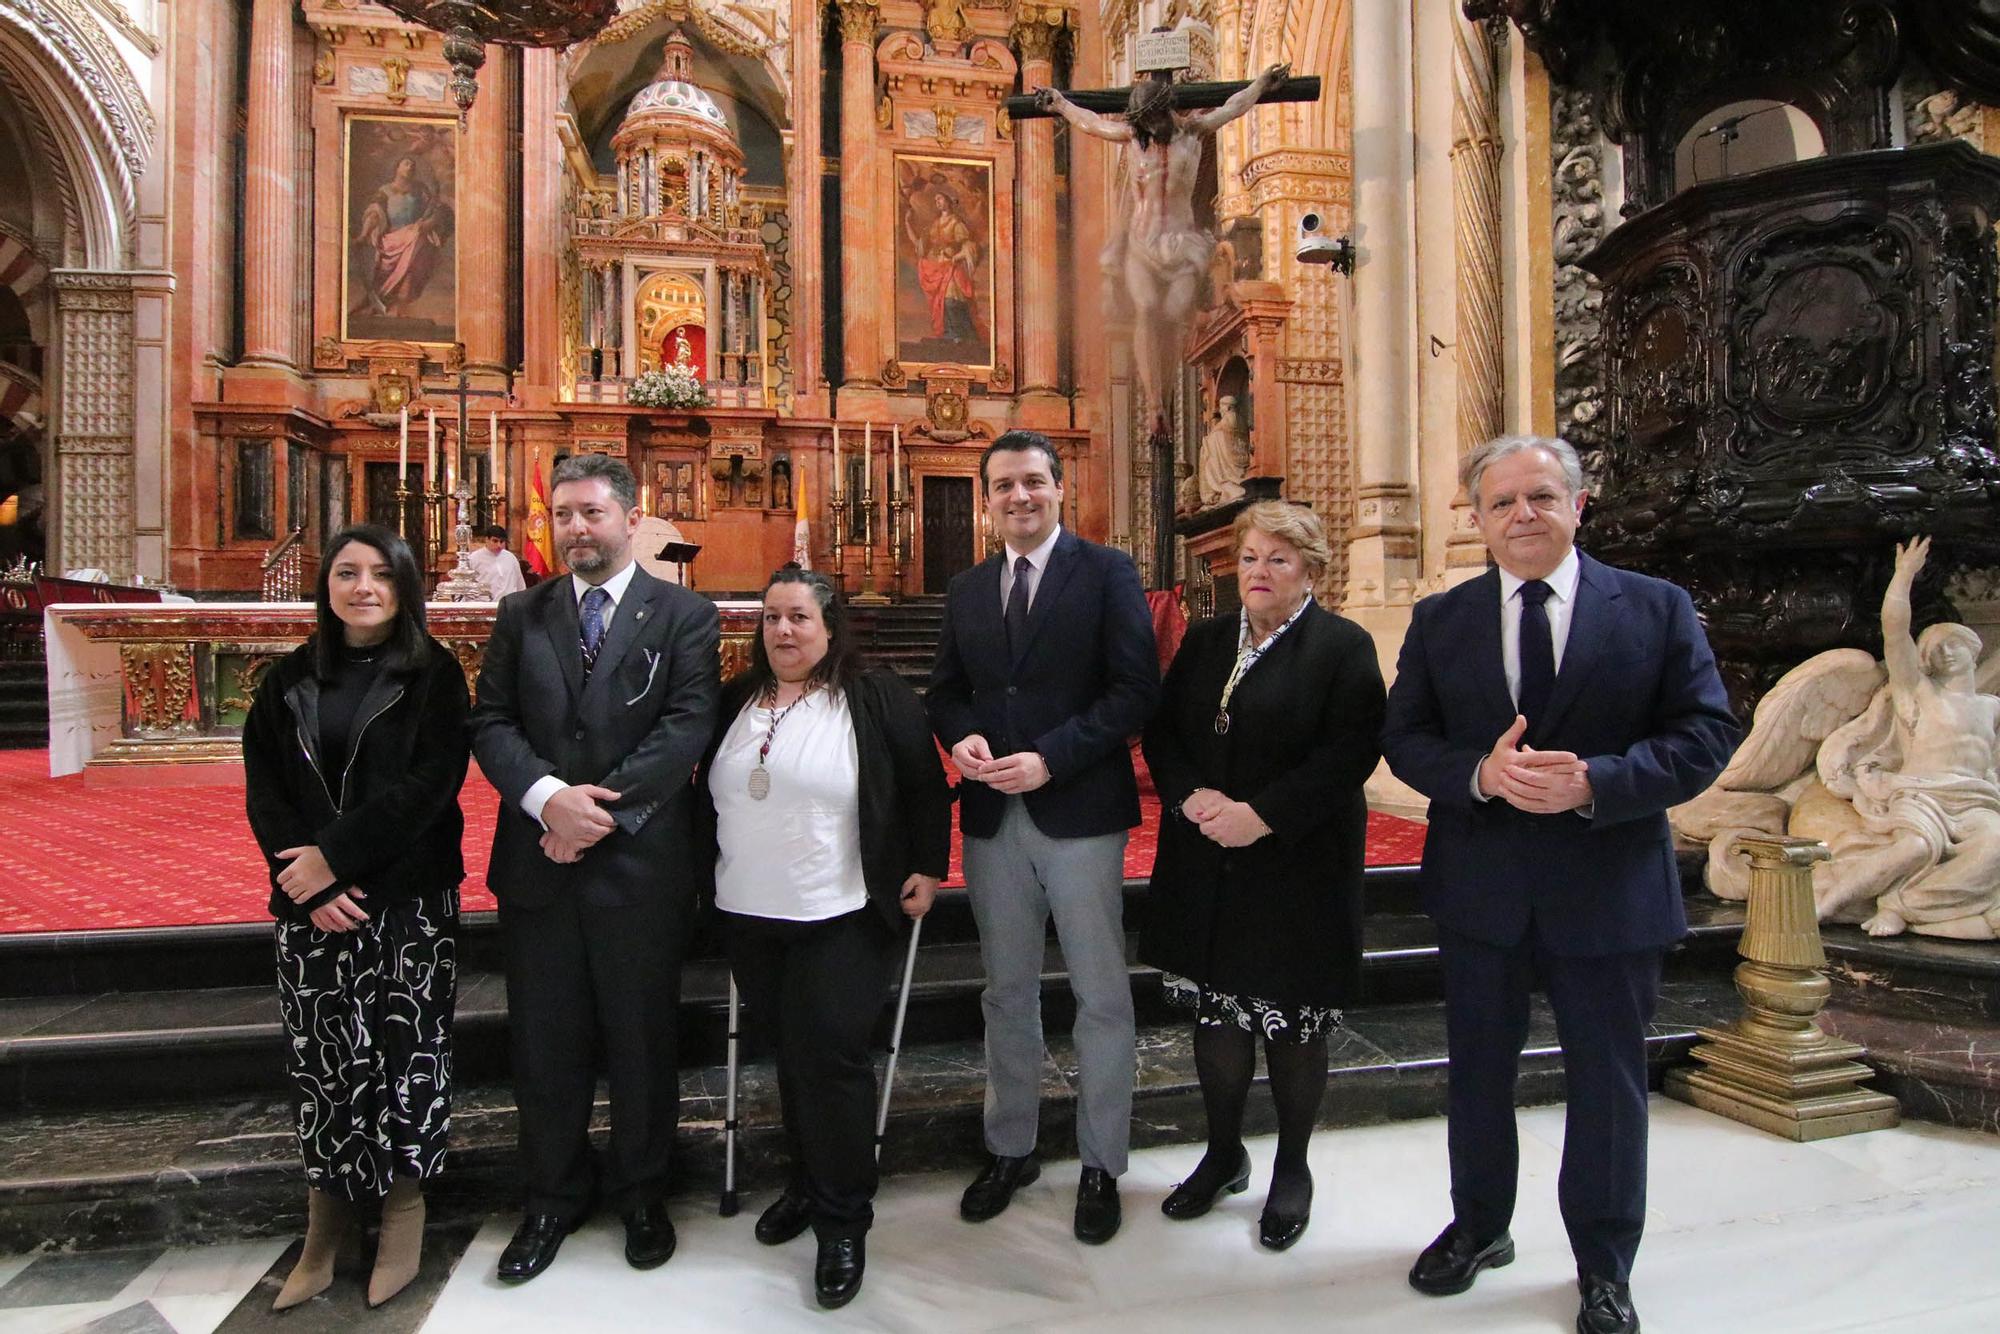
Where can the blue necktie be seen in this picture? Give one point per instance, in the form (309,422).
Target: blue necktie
(591,626)
(1017,606)
(1538,654)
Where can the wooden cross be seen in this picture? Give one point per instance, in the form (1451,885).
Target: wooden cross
(1187,97)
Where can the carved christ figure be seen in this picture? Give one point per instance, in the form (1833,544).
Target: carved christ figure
(1166,252)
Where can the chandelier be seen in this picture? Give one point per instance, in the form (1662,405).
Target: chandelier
(468,25)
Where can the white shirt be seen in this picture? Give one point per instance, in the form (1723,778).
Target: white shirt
(537,796)
(796,855)
(499,571)
(1038,559)
(1560,607)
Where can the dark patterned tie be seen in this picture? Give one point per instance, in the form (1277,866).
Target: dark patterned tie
(1017,606)
(590,626)
(1538,653)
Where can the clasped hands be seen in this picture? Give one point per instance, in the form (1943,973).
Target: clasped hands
(307,874)
(1542,782)
(1233,824)
(1023,771)
(573,822)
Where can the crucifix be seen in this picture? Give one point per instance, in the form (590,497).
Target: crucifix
(1162,252)
(462,584)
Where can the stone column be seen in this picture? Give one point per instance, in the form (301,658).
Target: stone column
(93,503)
(1475,170)
(1382,564)
(541,230)
(860,210)
(272,177)
(483,272)
(1036,33)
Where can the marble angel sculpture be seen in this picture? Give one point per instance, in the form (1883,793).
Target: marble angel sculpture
(1891,765)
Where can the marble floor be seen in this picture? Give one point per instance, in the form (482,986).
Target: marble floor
(1890,1231)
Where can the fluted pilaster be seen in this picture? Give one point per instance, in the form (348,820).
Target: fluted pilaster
(860,211)
(1037,31)
(272,179)
(482,221)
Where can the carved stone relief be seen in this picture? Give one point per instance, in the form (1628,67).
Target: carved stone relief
(1577,179)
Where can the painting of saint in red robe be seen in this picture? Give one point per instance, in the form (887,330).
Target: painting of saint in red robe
(944,262)
(401,257)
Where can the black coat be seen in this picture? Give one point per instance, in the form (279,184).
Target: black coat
(397,833)
(905,801)
(1281,918)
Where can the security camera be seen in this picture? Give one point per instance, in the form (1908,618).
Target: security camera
(1316,247)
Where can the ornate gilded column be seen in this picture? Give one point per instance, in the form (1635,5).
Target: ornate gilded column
(1037,30)
(860,209)
(482,222)
(1475,171)
(271,180)
(93,503)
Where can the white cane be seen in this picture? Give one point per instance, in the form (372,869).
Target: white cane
(729,1122)
(896,1035)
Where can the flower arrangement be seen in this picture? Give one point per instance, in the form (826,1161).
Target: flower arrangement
(673,386)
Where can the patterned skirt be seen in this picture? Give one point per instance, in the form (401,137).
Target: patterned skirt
(1252,1014)
(368,1026)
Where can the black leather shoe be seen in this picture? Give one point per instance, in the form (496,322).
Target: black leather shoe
(1277,1230)
(993,1189)
(533,1247)
(1607,1307)
(1097,1211)
(1449,1264)
(649,1236)
(837,1271)
(1188,1200)
(788,1216)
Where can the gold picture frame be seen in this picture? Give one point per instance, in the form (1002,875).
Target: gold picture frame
(946,300)
(399,247)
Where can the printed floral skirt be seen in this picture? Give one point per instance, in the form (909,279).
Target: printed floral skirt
(1252,1014)
(368,1025)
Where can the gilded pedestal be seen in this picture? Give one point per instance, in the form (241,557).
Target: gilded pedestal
(1775,1068)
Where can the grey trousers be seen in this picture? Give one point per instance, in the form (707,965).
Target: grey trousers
(1016,880)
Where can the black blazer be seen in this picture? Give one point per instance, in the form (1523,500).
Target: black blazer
(1638,699)
(397,834)
(905,823)
(1086,683)
(1281,918)
(638,727)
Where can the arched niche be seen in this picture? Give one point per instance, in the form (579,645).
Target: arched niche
(606,78)
(1739,137)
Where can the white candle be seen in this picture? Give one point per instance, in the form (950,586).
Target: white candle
(403,451)
(896,458)
(839,490)
(431,450)
(492,451)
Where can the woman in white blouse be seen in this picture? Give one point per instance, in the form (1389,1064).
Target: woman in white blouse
(833,826)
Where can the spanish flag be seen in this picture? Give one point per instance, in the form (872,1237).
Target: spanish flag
(537,550)
(802,530)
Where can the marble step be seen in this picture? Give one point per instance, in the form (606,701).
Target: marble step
(132,1046)
(213,1167)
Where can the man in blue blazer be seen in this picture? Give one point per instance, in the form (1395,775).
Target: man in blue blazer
(1552,710)
(1047,666)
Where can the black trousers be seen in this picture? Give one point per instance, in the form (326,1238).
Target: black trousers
(1603,1006)
(814,990)
(589,985)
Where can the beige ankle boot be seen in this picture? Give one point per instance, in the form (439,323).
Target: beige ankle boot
(400,1248)
(328,1220)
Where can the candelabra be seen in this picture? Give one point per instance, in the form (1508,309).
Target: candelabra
(868,596)
(403,494)
(899,537)
(839,507)
(462,584)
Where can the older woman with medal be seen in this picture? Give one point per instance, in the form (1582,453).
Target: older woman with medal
(833,828)
(1266,732)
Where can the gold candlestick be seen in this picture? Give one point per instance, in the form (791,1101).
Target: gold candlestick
(869,595)
(839,507)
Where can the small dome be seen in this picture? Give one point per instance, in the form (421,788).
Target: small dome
(673,97)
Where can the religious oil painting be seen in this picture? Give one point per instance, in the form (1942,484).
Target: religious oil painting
(944,261)
(400,279)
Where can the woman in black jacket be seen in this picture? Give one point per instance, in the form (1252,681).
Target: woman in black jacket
(1266,732)
(833,828)
(353,755)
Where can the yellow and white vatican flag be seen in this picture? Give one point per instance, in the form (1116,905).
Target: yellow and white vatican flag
(802,530)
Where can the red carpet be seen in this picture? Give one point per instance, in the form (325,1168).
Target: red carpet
(75,858)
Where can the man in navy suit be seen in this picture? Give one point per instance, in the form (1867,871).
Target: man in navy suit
(1552,710)
(1046,667)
